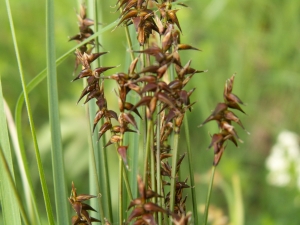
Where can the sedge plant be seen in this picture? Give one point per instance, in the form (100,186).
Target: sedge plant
(151,190)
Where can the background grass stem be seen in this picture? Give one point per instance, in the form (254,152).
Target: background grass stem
(209,195)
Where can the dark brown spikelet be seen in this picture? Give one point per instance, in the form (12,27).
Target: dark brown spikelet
(144,210)
(224,118)
(82,215)
(85,32)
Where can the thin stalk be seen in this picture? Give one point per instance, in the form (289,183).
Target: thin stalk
(152,164)
(133,140)
(126,182)
(148,149)
(158,169)
(129,42)
(93,167)
(144,123)
(191,171)
(120,190)
(173,172)
(105,179)
(13,188)
(126,198)
(152,160)
(134,155)
(125,177)
(33,133)
(209,195)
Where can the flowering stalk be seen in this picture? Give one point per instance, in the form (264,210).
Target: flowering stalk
(224,118)
(209,194)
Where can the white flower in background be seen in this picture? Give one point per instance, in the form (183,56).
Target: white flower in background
(283,162)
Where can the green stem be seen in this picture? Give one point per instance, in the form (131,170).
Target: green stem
(173,173)
(209,195)
(158,169)
(191,171)
(95,173)
(120,190)
(152,164)
(128,38)
(129,43)
(127,185)
(148,149)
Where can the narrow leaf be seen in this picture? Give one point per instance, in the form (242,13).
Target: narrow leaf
(56,143)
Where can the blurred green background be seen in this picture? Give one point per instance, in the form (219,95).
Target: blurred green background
(257,40)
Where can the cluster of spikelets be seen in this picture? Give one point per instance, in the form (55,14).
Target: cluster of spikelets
(85,32)
(144,18)
(224,118)
(144,211)
(161,98)
(82,215)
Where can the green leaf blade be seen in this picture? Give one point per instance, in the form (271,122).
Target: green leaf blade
(10,209)
(56,142)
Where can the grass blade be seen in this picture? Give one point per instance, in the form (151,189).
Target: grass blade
(11,213)
(56,143)
(21,158)
(11,183)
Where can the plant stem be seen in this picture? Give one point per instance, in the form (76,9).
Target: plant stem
(209,195)
(158,169)
(93,166)
(120,190)
(191,171)
(148,149)
(173,173)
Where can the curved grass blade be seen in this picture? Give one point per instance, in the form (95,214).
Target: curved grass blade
(11,212)
(21,158)
(11,183)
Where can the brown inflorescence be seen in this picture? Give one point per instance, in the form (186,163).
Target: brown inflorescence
(85,32)
(224,118)
(82,215)
(144,210)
